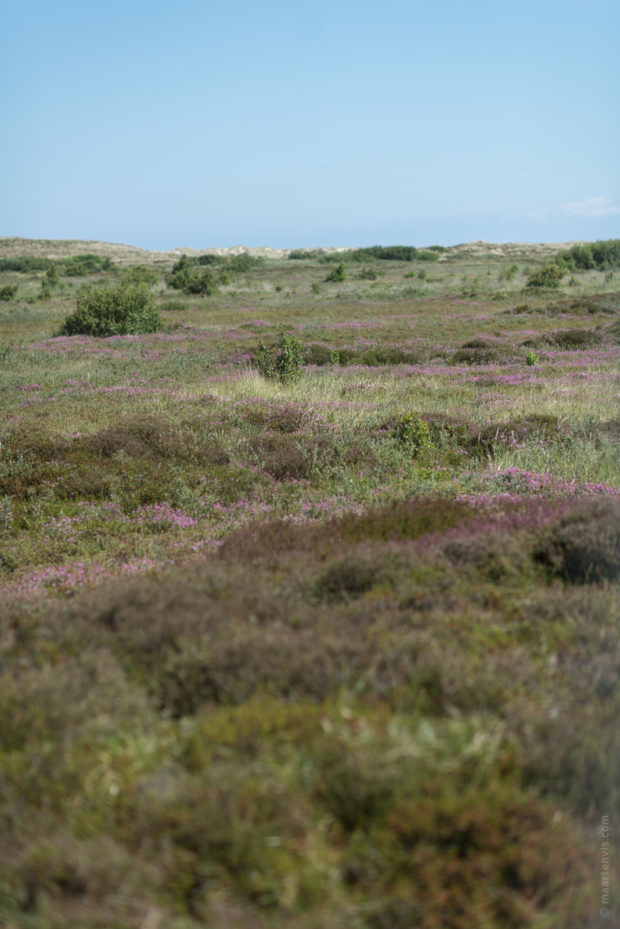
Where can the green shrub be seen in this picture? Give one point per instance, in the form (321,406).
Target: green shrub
(80,265)
(192,280)
(210,260)
(532,359)
(337,274)
(593,255)
(241,264)
(51,275)
(474,355)
(25,263)
(367,274)
(140,274)
(282,362)
(547,276)
(384,253)
(414,433)
(576,338)
(119,310)
(304,254)
(8,291)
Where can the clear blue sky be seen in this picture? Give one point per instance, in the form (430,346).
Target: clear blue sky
(325,123)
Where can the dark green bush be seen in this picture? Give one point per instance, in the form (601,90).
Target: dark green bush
(192,280)
(383,253)
(241,264)
(337,274)
(350,577)
(547,276)
(368,274)
(8,291)
(119,310)
(304,254)
(474,356)
(593,255)
(576,338)
(211,260)
(80,265)
(584,545)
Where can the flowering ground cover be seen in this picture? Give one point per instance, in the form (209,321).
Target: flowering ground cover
(334,651)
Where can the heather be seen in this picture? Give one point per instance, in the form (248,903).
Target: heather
(309,591)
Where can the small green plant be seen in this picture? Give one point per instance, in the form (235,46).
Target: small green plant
(8,291)
(119,310)
(507,274)
(414,433)
(51,275)
(338,274)
(315,288)
(368,274)
(532,358)
(282,362)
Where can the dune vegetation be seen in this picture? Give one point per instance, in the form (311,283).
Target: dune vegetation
(310,588)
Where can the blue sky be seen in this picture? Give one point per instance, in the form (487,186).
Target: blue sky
(331,123)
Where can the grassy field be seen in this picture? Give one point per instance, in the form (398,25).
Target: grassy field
(337,651)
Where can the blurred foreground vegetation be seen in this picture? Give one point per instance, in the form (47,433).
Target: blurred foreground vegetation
(310,592)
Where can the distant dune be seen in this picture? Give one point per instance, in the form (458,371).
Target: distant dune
(130,254)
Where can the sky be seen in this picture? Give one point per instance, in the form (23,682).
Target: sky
(331,123)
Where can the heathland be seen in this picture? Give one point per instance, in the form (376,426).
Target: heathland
(309,566)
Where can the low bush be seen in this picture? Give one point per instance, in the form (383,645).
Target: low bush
(338,274)
(583,546)
(282,362)
(140,274)
(474,356)
(119,310)
(576,338)
(193,280)
(414,433)
(547,276)
(383,253)
(81,265)
(286,455)
(304,254)
(350,577)
(317,354)
(367,274)
(8,291)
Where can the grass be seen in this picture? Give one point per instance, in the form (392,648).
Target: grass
(337,652)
